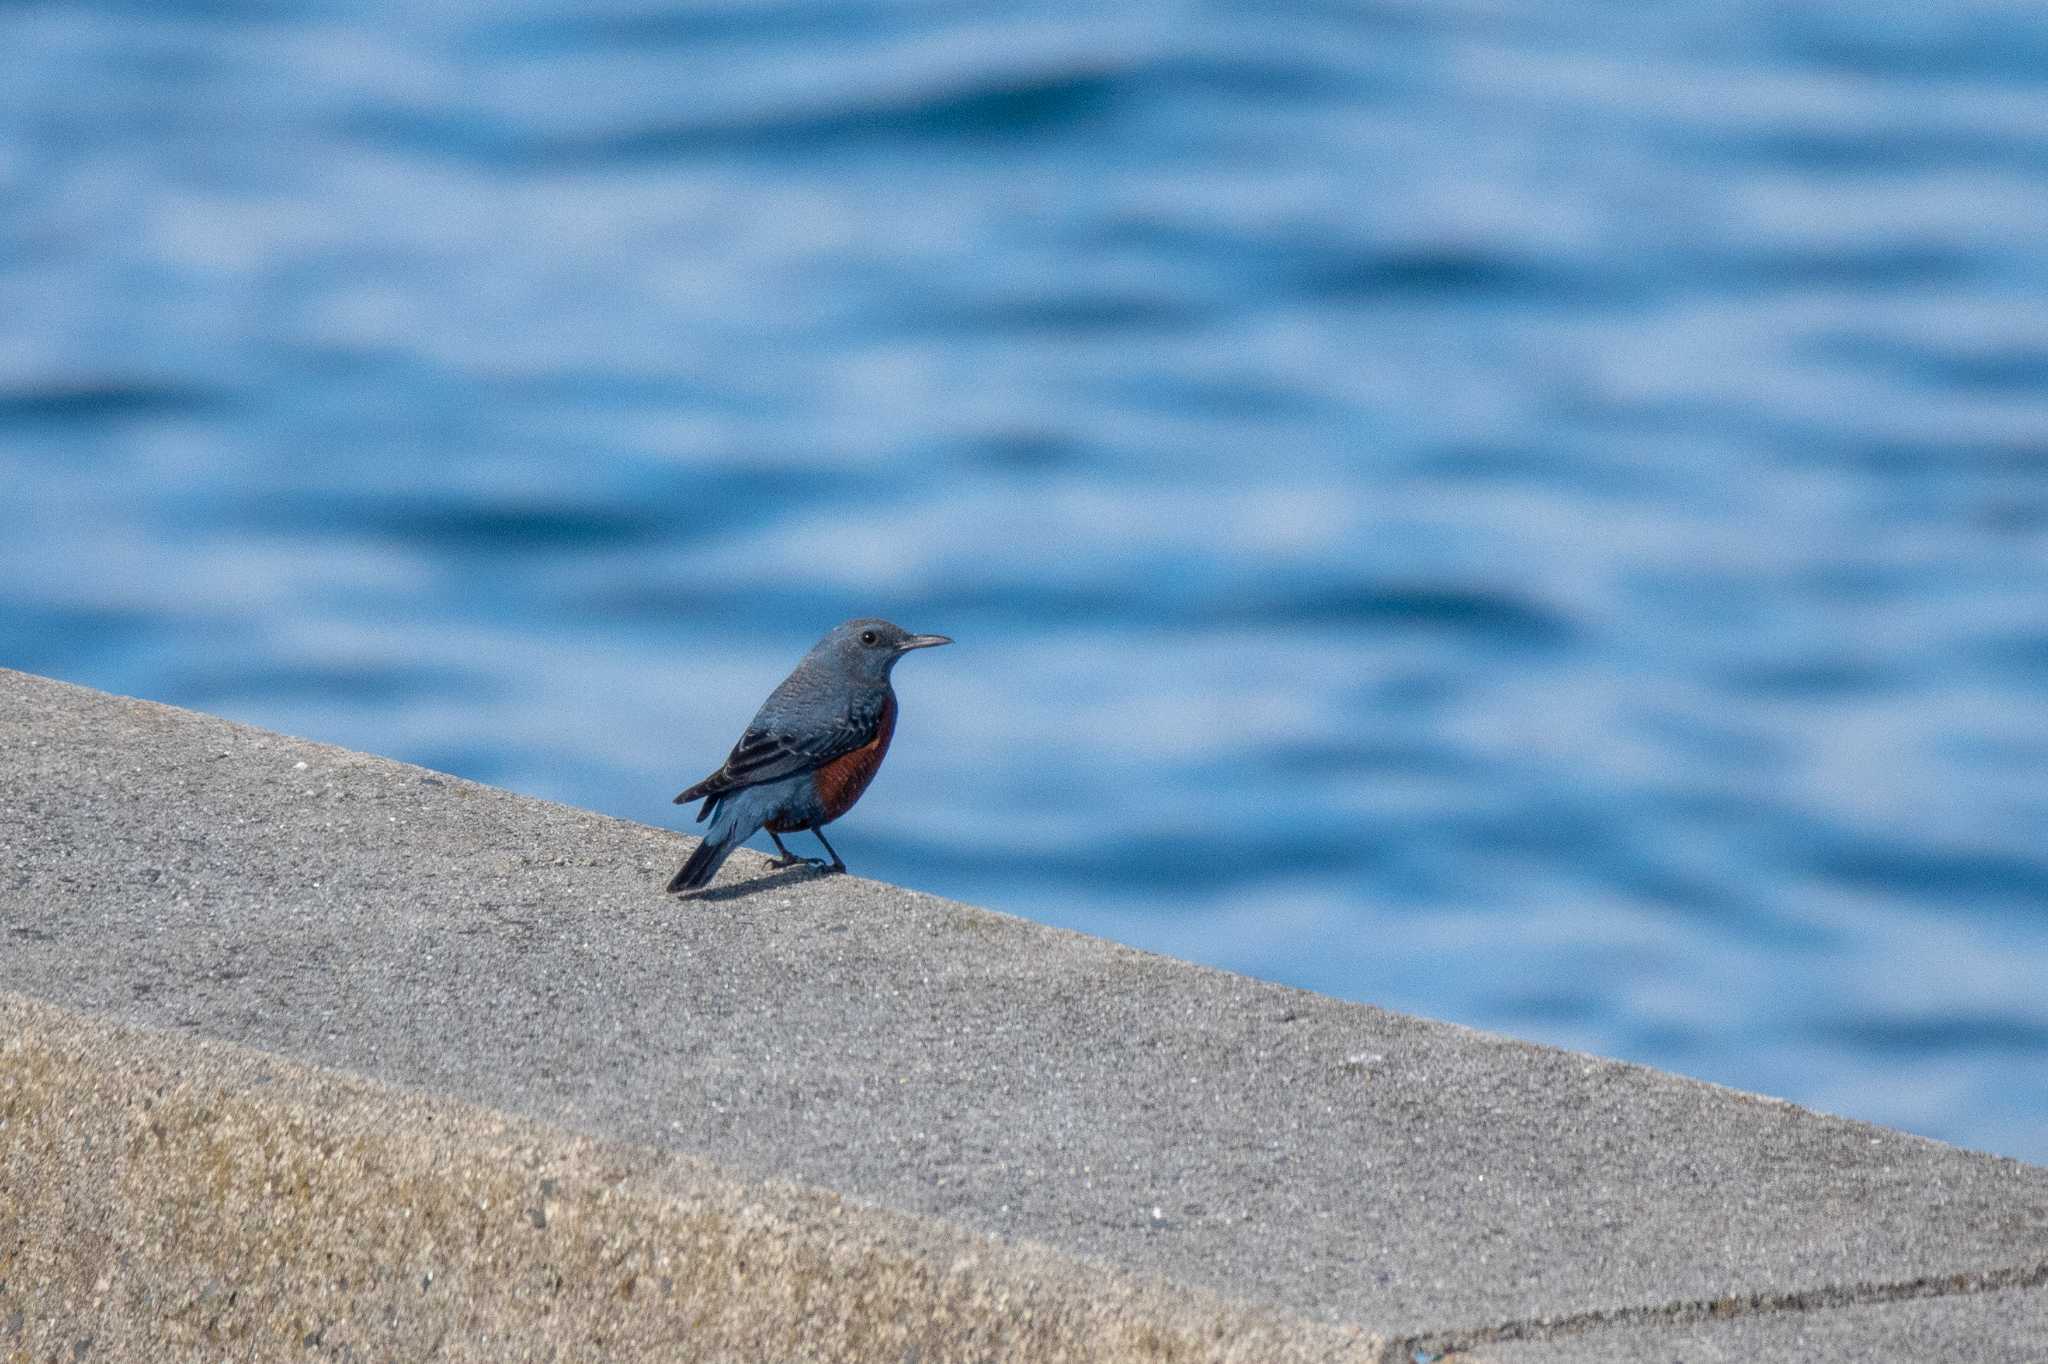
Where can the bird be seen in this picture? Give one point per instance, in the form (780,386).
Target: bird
(810,751)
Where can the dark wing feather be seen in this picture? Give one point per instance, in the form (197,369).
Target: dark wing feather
(768,753)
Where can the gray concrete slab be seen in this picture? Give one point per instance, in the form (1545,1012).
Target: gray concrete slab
(1335,1161)
(2009,1327)
(180,1201)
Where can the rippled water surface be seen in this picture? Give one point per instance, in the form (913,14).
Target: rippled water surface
(1532,514)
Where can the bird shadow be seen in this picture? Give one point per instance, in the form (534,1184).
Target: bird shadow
(742,889)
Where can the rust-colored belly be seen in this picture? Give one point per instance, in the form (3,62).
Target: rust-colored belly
(839,783)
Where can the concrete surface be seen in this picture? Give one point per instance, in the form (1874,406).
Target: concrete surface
(1327,1162)
(168,1200)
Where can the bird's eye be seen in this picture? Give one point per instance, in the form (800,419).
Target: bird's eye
(867,636)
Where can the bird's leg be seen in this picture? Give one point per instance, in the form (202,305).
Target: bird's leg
(790,859)
(818,831)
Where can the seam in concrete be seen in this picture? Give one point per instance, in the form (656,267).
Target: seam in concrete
(1965,1283)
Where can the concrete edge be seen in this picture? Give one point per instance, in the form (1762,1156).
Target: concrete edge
(176,1199)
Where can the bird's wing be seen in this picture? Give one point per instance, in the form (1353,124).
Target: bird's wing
(770,752)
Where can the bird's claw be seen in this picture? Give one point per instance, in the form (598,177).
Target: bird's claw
(793,860)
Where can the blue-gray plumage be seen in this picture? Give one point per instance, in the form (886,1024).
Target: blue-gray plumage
(812,749)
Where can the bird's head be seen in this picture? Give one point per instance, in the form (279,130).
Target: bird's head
(868,649)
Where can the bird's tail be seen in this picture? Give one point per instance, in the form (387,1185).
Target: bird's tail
(703,864)
(739,814)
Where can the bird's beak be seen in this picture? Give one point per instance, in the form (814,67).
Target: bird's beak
(922,642)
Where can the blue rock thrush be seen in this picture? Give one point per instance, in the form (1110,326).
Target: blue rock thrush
(812,749)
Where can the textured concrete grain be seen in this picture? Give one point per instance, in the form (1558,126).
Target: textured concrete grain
(167,1200)
(1328,1161)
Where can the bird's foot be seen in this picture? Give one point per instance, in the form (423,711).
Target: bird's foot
(793,860)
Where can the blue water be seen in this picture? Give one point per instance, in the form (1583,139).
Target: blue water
(1531,514)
